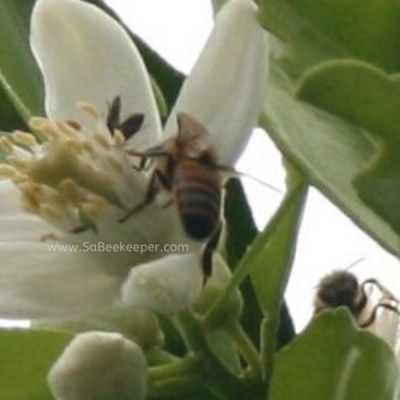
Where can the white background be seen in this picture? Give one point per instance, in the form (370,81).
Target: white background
(178,29)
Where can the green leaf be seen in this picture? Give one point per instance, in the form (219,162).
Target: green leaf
(379,185)
(270,258)
(241,231)
(328,150)
(19,75)
(316,31)
(358,92)
(368,97)
(26,358)
(334,360)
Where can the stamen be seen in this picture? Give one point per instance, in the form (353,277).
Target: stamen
(115,163)
(119,139)
(88,148)
(20,164)
(67,130)
(102,141)
(26,139)
(6,144)
(50,212)
(8,172)
(70,190)
(74,125)
(89,109)
(44,126)
(94,209)
(73,176)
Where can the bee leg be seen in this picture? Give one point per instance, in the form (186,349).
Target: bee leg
(142,164)
(374,312)
(385,292)
(207,256)
(157,180)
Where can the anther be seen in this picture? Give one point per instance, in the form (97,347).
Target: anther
(25,139)
(102,141)
(115,163)
(89,109)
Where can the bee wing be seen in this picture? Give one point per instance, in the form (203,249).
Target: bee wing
(193,137)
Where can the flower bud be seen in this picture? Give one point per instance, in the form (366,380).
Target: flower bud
(138,324)
(166,285)
(101,366)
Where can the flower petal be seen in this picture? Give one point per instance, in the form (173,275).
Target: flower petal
(225,89)
(166,285)
(38,283)
(86,56)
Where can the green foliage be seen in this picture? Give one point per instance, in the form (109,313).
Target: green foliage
(271,259)
(333,360)
(26,357)
(21,94)
(332,152)
(314,31)
(358,92)
(370,98)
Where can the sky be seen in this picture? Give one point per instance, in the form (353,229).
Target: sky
(178,29)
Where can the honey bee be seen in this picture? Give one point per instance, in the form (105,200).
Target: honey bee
(187,166)
(341,288)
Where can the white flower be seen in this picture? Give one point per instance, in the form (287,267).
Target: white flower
(102,366)
(76,186)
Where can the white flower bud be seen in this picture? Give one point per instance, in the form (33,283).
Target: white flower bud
(166,285)
(101,366)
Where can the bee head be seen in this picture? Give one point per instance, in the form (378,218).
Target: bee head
(340,288)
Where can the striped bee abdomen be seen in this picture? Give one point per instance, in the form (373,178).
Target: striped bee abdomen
(198,198)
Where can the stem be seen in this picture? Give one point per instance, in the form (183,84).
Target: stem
(185,366)
(157,356)
(177,386)
(219,380)
(175,378)
(246,349)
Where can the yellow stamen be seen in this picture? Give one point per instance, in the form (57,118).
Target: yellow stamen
(102,141)
(115,163)
(89,109)
(6,144)
(25,139)
(119,139)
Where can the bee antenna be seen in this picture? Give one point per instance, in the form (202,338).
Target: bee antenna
(234,172)
(260,181)
(348,268)
(354,263)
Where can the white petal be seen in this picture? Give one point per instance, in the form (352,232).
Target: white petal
(166,285)
(225,89)
(386,326)
(86,56)
(38,283)
(102,366)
